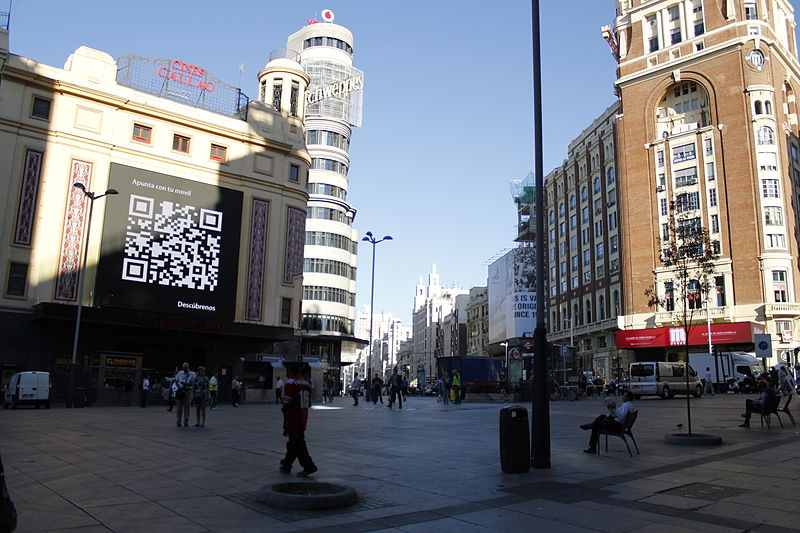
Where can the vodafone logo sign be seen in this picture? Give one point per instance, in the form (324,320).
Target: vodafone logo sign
(327,15)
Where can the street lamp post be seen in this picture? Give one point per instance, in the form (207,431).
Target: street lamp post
(81,277)
(372,240)
(508,377)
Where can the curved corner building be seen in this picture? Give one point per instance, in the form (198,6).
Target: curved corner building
(333,106)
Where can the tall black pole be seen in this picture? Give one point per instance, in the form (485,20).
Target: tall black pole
(540,439)
(368,365)
(81,277)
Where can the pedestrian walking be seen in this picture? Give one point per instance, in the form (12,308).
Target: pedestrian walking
(355,389)
(395,389)
(456,385)
(145,391)
(236,391)
(200,396)
(377,389)
(213,389)
(295,403)
(279,390)
(184,381)
(405,389)
(708,386)
(446,390)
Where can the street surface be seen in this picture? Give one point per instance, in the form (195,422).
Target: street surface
(425,468)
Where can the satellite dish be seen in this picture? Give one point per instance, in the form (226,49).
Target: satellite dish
(327,15)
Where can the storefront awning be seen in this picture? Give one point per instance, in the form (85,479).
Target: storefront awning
(733,333)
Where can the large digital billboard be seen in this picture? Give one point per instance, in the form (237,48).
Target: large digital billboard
(170,245)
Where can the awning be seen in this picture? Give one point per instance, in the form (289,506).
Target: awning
(732,333)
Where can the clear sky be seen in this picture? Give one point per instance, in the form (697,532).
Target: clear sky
(448,118)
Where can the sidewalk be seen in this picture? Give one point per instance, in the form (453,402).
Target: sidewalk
(424,468)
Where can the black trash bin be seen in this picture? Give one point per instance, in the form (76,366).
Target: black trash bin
(515,447)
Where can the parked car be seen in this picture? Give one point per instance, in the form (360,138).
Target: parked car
(28,388)
(657,378)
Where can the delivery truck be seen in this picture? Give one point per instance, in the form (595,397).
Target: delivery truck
(726,366)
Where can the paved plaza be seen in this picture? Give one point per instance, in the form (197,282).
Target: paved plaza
(426,468)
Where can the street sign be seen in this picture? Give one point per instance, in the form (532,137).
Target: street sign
(763,343)
(528,345)
(564,350)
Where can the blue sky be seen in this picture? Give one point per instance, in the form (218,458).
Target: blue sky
(448,118)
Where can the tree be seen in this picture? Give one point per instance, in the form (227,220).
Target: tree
(688,267)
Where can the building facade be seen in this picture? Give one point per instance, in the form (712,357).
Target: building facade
(708,127)
(195,252)
(477,321)
(583,248)
(332,109)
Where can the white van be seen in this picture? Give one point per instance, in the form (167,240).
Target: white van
(656,378)
(28,388)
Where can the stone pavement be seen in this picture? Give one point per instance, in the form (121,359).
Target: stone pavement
(426,468)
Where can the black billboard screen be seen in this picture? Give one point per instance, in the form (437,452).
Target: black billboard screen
(170,245)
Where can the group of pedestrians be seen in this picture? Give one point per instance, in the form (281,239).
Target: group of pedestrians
(395,388)
(195,389)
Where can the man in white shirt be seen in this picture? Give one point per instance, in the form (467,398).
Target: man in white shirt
(355,389)
(145,391)
(184,380)
(708,386)
(613,422)
(279,390)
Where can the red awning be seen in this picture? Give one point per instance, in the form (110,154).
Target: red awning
(735,333)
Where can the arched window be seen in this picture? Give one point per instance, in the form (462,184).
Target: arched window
(602,307)
(759,108)
(767,107)
(616,303)
(765,135)
(588,305)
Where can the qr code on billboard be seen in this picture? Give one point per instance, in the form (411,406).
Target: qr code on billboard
(172,244)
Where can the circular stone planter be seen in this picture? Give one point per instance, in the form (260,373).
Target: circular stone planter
(696,439)
(307,495)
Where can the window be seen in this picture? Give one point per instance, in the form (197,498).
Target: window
(773,216)
(561,210)
(598,206)
(601,309)
(675,36)
(41,108)
(719,282)
(611,175)
(219,153)
(573,242)
(585,234)
(552,256)
(553,273)
(753,30)
(322,163)
(685,177)
(769,188)
(687,202)
(779,286)
(759,107)
(674,13)
(180,144)
(572,202)
(709,146)
(573,263)
(563,268)
(767,107)
(660,158)
(669,296)
(587,257)
(294,172)
(714,223)
(793,150)
(613,243)
(277,93)
(584,194)
(552,234)
(585,214)
(551,217)
(599,250)
(286,311)
(767,161)
(142,133)
(573,222)
(17,279)
(699,28)
(765,135)
(587,344)
(750,11)
(598,228)
(712,197)
(685,152)
(612,197)
(665,231)
(293,96)
(694,295)
(596,186)
(710,171)
(776,240)
(587,305)
(612,221)
(575,282)
(664,207)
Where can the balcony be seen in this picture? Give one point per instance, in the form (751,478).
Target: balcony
(718,314)
(782,310)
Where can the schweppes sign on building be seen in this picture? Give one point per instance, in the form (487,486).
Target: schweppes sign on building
(339,88)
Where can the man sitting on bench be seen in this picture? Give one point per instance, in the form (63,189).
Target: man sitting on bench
(614,421)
